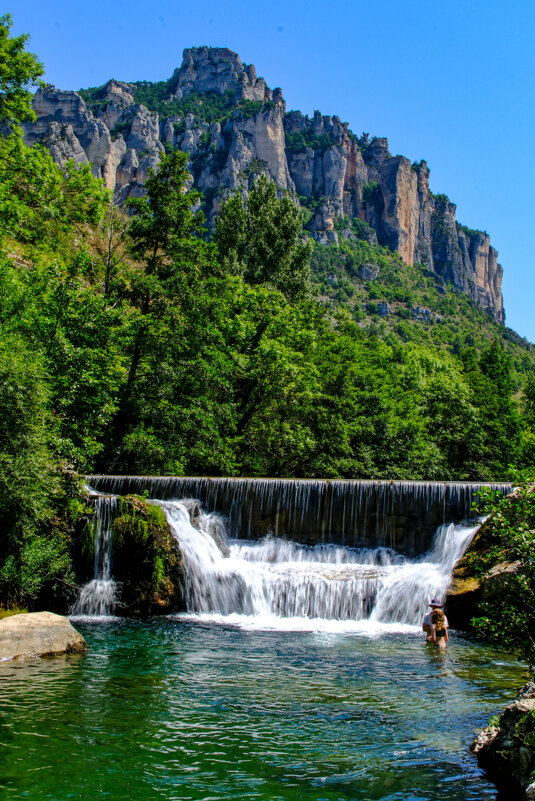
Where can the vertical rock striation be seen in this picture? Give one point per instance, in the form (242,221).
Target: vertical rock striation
(319,160)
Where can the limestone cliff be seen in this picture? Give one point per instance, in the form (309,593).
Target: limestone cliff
(320,161)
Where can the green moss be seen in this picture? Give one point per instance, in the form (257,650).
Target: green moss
(87,539)
(10,611)
(146,560)
(525,729)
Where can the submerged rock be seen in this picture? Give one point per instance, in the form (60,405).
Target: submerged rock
(38,634)
(506,748)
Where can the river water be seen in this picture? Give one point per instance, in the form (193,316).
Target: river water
(181,709)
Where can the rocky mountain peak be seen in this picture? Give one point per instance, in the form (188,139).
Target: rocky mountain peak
(234,127)
(118,92)
(218,70)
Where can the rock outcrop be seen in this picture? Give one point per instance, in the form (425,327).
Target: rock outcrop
(147,563)
(38,634)
(320,161)
(506,748)
(219,70)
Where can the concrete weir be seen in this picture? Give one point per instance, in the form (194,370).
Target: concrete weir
(402,515)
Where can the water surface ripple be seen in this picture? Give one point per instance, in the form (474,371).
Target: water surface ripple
(178,710)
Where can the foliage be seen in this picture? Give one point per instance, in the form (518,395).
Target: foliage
(209,106)
(32,559)
(38,199)
(363,231)
(262,240)
(19,70)
(470,232)
(508,614)
(250,108)
(25,462)
(158,97)
(441,199)
(164,237)
(460,324)
(164,224)
(371,193)
(299,141)
(134,344)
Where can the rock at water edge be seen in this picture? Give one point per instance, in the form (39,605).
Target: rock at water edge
(38,634)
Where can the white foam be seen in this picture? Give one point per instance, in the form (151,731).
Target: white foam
(364,628)
(277,584)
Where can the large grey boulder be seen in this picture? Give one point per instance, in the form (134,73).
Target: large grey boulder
(38,634)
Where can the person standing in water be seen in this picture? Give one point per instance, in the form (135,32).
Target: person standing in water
(435,624)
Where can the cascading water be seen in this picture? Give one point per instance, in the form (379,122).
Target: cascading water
(275,580)
(97,597)
(364,553)
(402,515)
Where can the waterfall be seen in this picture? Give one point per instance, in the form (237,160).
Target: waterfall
(284,552)
(405,594)
(401,515)
(97,597)
(275,580)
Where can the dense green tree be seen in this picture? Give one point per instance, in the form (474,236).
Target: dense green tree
(25,462)
(165,239)
(132,343)
(30,557)
(262,240)
(528,430)
(38,199)
(19,70)
(528,403)
(165,232)
(489,377)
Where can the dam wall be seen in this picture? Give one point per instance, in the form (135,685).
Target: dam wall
(402,515)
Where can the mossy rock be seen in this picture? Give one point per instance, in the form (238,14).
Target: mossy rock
(146,561)
(465,590)
(506,748)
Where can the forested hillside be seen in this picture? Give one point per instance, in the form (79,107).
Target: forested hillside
(137,343)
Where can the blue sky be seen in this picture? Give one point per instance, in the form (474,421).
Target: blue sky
(450,82)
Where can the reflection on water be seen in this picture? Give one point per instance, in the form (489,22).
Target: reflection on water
(180,710)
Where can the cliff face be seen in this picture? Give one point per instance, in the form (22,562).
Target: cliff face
(320,161)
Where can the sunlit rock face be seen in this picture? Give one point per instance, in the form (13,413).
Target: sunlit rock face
(218,69)
(319,160)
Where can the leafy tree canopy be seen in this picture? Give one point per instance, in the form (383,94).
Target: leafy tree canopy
(262,240)
(19,70)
